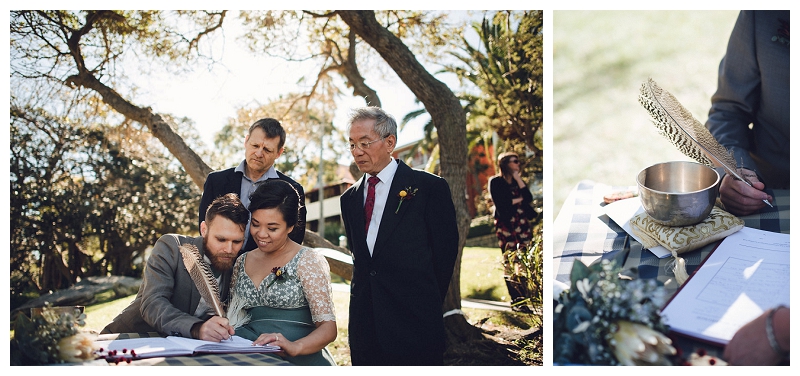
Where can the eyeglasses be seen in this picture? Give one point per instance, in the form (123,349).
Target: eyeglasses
(363,146)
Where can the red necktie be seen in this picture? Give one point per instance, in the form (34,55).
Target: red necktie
(370,203)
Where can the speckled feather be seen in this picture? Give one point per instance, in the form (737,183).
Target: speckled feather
(203,277)
(684,131)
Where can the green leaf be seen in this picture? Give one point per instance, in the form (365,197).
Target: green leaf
(576,315)
(579,272)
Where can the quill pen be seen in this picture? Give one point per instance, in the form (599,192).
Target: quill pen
(203,277)
(684,131)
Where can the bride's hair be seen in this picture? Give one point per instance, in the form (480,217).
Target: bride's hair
(277,194)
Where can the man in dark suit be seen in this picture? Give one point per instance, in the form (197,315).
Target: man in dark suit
(263,145)
(750,110)
(168,301)
(403,250)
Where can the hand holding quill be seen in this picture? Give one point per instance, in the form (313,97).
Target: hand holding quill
(684,131)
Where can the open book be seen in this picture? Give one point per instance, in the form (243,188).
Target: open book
(140,348)
(746,275)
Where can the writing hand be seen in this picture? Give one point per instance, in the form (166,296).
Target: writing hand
(216,329)
(740,198)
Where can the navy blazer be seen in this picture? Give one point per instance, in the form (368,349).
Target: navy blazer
(397,292)
(227,181)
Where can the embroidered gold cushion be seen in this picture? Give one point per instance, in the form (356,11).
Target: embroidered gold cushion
(677,240)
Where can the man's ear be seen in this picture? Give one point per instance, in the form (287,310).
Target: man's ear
(280,151)
(203,229)
(391,142)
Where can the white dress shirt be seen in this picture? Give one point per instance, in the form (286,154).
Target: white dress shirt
(381,194)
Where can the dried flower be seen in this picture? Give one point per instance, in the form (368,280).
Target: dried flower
(701,358)
(50,338)
(605,319)
(77,348)
(635,344)
(405,194)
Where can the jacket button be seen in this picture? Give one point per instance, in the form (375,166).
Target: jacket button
(372,273)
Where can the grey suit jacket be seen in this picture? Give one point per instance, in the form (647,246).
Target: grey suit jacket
(168,298)
(753,87)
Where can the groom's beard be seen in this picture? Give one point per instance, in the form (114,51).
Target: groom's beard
(219,262)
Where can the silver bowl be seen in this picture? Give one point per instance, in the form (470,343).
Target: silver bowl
(678,193)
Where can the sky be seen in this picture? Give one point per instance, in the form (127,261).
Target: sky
(210,96)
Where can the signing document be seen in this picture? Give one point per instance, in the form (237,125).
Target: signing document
(141,348)
(747,274)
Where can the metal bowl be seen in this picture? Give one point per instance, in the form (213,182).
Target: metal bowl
(678,193)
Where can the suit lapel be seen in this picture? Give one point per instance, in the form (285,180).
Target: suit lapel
(234,183)
(403,178)
(356,206)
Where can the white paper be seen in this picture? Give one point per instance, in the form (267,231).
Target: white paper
(745,276)
(177,346)
(623,211)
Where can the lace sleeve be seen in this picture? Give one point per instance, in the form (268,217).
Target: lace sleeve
(314,274)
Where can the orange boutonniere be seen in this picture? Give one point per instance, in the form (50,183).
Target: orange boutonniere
(405,194)
(279,273)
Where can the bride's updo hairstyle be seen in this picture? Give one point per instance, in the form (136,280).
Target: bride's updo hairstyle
(277,194)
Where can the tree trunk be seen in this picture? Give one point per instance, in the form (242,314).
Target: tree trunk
(339,267)
(160,128)
(448,116)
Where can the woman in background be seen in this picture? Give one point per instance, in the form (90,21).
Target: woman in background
(512,214)
(281,291)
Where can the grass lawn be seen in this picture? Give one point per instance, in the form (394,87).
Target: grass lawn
(600,59)
(481,278)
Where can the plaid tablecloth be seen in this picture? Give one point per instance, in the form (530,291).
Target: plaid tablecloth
(582,231)
(198,360)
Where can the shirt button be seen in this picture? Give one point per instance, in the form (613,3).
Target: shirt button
(372,273)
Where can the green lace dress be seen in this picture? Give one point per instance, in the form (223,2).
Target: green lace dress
(290,304)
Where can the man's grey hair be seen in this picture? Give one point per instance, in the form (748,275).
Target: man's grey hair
(272,128)
(385,124)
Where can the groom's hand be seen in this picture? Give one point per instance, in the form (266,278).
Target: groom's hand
(215,329)
(740,198)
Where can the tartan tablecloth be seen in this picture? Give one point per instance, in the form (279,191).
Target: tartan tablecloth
(582,231)
(252,359)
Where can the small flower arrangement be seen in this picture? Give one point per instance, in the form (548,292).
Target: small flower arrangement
(279,273)
(783,33)
(608,319)
(50,338)
(405,194)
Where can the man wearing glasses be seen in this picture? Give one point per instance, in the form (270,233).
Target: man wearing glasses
(401,229)
(263,145)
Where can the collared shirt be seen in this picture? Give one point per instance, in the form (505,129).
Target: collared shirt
(249,186)
(381,195)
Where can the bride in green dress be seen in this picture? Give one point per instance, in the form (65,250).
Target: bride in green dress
(281,291)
